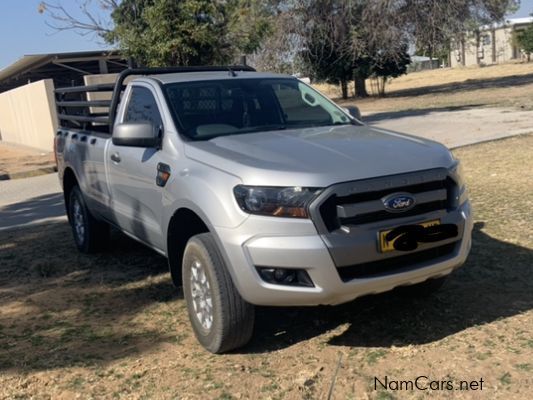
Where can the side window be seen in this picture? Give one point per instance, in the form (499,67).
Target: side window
(300,106)
(288,97)
(142,107)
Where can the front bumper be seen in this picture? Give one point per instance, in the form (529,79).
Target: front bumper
(292,243)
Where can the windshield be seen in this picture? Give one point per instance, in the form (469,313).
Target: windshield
(207,109)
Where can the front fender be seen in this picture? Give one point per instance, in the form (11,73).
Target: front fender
(206,191)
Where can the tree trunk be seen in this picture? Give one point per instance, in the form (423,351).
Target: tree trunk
(360,87)
(344,88)
(373,86)
(463,51)
(478,44)
(493,42)
(382,81)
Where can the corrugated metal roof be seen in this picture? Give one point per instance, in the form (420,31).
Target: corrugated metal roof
(22,65)
(29,62)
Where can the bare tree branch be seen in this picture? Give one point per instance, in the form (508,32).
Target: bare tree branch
(95,16)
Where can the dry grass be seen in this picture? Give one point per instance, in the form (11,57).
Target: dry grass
(498,85)
(20,160)
(457,75)
(112,325)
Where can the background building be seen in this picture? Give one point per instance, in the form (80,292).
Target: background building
(490,45)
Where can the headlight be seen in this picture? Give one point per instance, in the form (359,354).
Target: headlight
(457,174)
(275,201)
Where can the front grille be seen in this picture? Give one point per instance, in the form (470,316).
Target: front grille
(394,265)
(378,194)
(385,215)
(374,210)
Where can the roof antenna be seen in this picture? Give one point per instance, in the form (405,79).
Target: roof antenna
(232,72)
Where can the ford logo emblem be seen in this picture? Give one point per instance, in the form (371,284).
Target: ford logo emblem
(399,202)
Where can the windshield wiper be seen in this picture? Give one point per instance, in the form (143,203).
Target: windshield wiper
(255,129)
(260,128)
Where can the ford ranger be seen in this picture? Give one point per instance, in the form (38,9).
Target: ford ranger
(259,190)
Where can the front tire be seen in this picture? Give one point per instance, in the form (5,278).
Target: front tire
(220,318)
(90,235)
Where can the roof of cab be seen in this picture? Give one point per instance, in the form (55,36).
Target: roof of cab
(213,75)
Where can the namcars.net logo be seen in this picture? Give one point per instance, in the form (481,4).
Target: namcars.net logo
(426,383)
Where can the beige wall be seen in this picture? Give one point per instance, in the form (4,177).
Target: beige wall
(28,115)
(503,46)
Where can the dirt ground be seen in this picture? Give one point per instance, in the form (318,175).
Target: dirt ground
(507,85)
(20,160)
(113,326)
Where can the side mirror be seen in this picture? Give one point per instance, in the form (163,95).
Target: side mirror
(354,112)
(138,134)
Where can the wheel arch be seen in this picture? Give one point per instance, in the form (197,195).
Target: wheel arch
(69,181)
(184,224)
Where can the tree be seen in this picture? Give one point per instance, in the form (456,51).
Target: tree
(374,34)
(325,33)
(353,40)
(279,50)
(386,67)
(383,44)
(525,41)
(170,32)
(92,18)
(433,24)
(335,40)
(326,63)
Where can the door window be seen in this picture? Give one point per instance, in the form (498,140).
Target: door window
(142,107)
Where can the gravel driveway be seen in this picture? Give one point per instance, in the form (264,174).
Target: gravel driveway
(30,200)
(458,127)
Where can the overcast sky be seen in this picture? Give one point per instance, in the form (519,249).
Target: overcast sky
(23,31)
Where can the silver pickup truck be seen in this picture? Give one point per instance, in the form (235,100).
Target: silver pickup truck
(259,191)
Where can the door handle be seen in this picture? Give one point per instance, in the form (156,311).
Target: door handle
(115,157)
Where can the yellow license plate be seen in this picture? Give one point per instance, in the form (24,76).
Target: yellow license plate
(385,246)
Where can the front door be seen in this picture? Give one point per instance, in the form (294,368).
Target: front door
(136,198)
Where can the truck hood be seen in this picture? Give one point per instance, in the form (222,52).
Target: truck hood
(318,157)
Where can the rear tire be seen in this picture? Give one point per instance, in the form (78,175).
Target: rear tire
(90,234)
(423,289)
(221,319)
